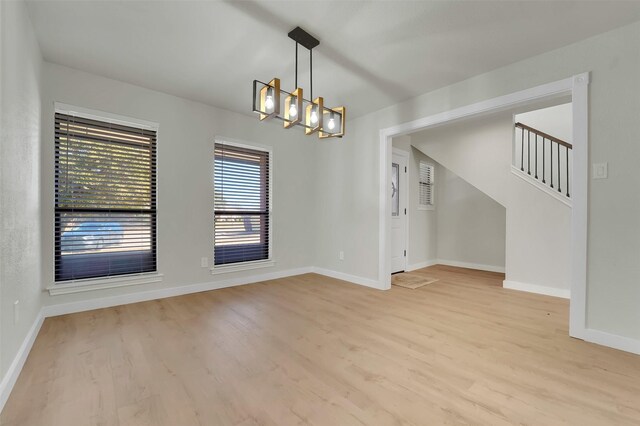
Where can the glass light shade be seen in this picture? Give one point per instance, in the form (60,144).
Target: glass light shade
(293,103)
(333,123)
(314,110)
(266,100)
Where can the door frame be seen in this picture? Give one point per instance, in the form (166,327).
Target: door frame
(578,87)
(405,154)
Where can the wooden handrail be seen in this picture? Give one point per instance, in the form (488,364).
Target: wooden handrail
(545,135)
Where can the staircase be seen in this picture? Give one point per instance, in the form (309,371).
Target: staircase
(544,158)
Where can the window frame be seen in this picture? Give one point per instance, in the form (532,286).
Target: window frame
(103,282)
(432,205)
(252,264)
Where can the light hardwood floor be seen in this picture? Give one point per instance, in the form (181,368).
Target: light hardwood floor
(314,350)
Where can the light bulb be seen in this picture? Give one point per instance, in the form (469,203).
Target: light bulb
(293,109)
(268,103)
(332,123)
(314,116)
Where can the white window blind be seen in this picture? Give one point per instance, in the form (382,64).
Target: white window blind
(241,204)
(425,187)
(105,199)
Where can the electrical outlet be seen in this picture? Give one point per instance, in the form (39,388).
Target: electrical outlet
(15,312)
(341,255)
(204,262)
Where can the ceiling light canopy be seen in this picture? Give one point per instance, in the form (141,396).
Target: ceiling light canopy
(270,101)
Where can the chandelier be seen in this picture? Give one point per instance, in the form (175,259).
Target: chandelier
(270,101)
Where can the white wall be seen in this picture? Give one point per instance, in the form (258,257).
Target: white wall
(20,264)
(185,160)
(478,150)
(423,223)
(347,213)
(471,226)
(474,158)
(555,120)
(538,239)
(351,218)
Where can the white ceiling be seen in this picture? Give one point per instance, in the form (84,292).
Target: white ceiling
(371,54)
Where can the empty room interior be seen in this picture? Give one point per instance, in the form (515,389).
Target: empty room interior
(319,212)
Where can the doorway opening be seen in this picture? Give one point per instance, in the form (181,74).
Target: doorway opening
(575,88)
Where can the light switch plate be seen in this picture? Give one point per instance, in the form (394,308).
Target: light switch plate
(204,262)
(600,170)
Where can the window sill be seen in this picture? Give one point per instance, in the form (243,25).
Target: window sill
(426,208)
(245,266)
(77,286)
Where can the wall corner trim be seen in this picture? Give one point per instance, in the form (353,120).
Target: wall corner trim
(11,376)
(564,293)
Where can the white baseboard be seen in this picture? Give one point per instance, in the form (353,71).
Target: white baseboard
(612,340)
(421,265)
(143,296)
(538,289)
(11,376)
(367,282)
(479,266)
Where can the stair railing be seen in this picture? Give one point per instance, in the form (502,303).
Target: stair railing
(553,143)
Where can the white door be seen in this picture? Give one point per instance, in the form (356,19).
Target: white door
(398,211)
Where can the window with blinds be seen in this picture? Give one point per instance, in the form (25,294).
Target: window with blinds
(425,186)
(105,199)
(241,204)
